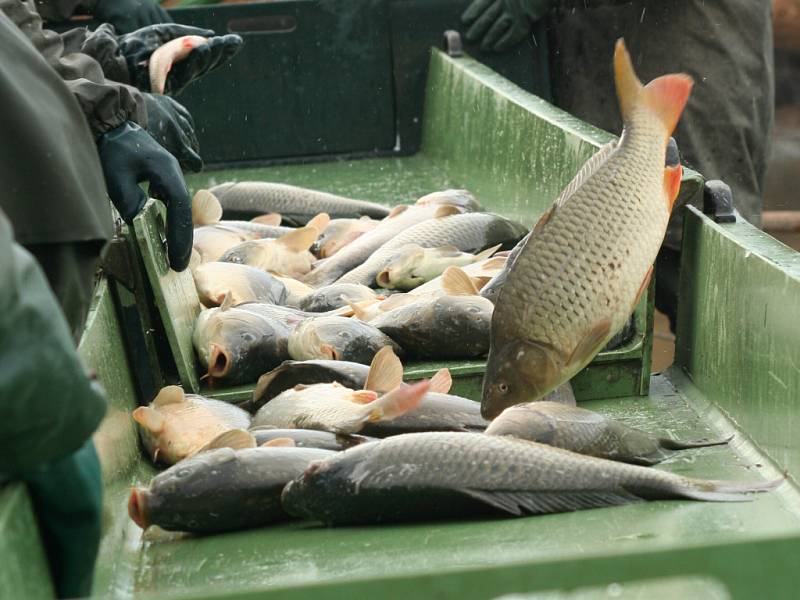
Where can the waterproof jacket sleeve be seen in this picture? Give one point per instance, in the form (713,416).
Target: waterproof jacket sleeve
(106,104)
(48,405)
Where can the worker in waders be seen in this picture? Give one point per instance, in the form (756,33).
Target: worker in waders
(63,127)
(726,46)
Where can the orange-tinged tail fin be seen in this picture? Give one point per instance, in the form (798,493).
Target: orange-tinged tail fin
(666,96)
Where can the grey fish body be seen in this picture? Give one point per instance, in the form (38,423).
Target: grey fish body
(240,283)
(338,338)
(586,432)
(221,490)
(469,232)
(436,412)
(420,476)
(292,372)
(240,343)
(311,438)
(440,327)
(359,250)
(335,295)
(247,199)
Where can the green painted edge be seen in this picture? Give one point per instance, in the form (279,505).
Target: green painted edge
(169,288)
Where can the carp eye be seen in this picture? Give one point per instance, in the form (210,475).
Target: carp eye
(503,387)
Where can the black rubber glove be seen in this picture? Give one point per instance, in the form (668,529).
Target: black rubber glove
(137,47)
(130,155)
(130,15)
(502,24)
(172,126)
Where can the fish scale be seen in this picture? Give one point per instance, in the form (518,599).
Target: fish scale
(577,279)
(468,232)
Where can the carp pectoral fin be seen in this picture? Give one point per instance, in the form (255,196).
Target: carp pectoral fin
(397,402)
(456,282)
(591,344)
(228,300)
(446,210)
(487,253)
(237,439)
(442,381)
(532,503)
(672,184)
(394,301)
(385,371)
(271,219)
(319,222)
(206,209)
(397,210)
(284,442)
(149,418)
(497,262)
(363,396)
(358,308)
(170,394)
(642,288)
(299,239)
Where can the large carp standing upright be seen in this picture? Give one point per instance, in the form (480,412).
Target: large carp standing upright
(587,261)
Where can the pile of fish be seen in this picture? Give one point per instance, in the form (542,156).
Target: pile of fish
(327,438)
(324,287)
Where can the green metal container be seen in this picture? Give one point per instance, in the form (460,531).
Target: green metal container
(737,369)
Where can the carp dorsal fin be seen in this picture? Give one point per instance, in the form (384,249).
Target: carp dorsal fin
(487,253)
(206,209)
(149,418)
(299,239)
(496,262)
(385,371)
(319,222)
(271,219)
(397,210)
(237,439)
(445,210)
(442,381)
(455,282)
(170,394)
(283,442)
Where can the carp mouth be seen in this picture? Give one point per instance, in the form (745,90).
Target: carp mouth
(383,279)
(137,507)
(220,362)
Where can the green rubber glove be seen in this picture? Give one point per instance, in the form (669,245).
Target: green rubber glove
(129,15)
(502,24)
(172,126)
(129,155)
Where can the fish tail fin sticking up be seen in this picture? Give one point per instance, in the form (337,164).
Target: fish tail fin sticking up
(487,253)
(319,222)
(397,402)
(670,444)
(456,282)
(206,209)
(271,219)
(665,96)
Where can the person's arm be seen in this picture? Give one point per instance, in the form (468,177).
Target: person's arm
(106,104)
(124,15)
(500,25)
(49,407)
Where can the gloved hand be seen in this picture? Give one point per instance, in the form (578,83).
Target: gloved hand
(501,24)
(128,155)
(137,47)
(172,126)
(129,15)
